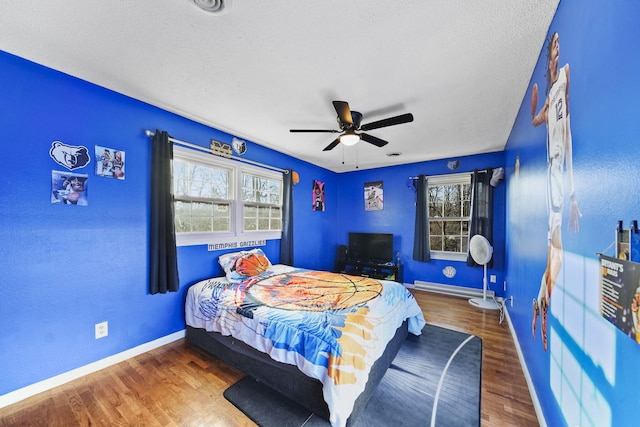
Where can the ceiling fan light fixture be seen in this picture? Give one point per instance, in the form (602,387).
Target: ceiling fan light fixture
(353,131)
(350,138)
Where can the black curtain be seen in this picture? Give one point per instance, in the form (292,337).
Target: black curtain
(421,233)
(286,242)
(481,216)
(163,275)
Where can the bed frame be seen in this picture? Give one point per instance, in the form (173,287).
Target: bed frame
(288,379)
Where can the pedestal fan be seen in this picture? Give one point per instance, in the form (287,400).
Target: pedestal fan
(481,252)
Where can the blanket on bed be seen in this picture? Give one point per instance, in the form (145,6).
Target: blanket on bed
(332,326)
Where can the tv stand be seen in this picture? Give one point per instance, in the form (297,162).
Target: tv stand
(375,270)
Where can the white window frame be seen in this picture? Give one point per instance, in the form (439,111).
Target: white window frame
(237,169)
(458,179)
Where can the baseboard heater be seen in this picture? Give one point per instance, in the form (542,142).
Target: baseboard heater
(460,291)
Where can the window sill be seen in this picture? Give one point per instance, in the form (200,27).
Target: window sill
(448,256)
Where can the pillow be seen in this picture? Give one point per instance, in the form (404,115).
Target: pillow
(241,265)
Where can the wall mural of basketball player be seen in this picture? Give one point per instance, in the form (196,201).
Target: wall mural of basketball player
(554,113)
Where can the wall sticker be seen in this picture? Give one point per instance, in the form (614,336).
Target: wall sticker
(239,146)
(554,114)
(70,156)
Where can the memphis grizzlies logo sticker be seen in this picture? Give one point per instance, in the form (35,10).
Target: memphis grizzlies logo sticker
(239,146)
(70,156)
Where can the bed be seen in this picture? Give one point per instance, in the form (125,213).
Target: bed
(322,339)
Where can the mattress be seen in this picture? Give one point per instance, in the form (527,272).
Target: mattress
(332,327)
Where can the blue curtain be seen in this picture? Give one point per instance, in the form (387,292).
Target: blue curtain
(163,263)
(286,242)
(421,233)
(481,217)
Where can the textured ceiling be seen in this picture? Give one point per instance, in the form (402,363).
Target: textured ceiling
(261,68)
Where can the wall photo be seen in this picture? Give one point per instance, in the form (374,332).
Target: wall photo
(318,195)
(69,188)
(109,162)
(620,294)
(373,196)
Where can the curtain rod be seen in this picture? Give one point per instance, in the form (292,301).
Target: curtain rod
(215,153)
(457,173)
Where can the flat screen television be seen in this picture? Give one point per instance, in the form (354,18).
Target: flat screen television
(370,247)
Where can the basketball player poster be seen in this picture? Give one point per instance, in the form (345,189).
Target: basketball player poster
(373,196)
(109,162)
(317,193)
(69,188)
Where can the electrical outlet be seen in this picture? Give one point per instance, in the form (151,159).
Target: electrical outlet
(492,278)
(102,329)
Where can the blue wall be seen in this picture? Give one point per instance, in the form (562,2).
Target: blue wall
(588,376)
(398,217)
(66,268)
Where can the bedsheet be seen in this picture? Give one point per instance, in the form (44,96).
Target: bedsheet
(332,326)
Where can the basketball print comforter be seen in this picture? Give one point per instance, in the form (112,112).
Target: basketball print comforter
(332,326)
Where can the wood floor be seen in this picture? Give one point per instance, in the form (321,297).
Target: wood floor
(505,398)
(179,385)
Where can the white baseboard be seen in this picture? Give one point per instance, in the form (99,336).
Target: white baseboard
(58,380)
(525,370)
(451,289)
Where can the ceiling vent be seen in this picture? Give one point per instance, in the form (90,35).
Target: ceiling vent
(215,7)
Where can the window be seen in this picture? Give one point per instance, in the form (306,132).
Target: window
(262,201)
(221,200)
(203,197)
(449,201)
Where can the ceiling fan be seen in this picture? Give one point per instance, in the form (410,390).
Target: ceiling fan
(352,130)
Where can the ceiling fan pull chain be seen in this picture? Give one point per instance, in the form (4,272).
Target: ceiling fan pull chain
(357,158)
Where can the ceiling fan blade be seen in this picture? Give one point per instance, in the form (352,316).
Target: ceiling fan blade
(332,145)
(391,121)
(344,112)
(373,140)
(314,130)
